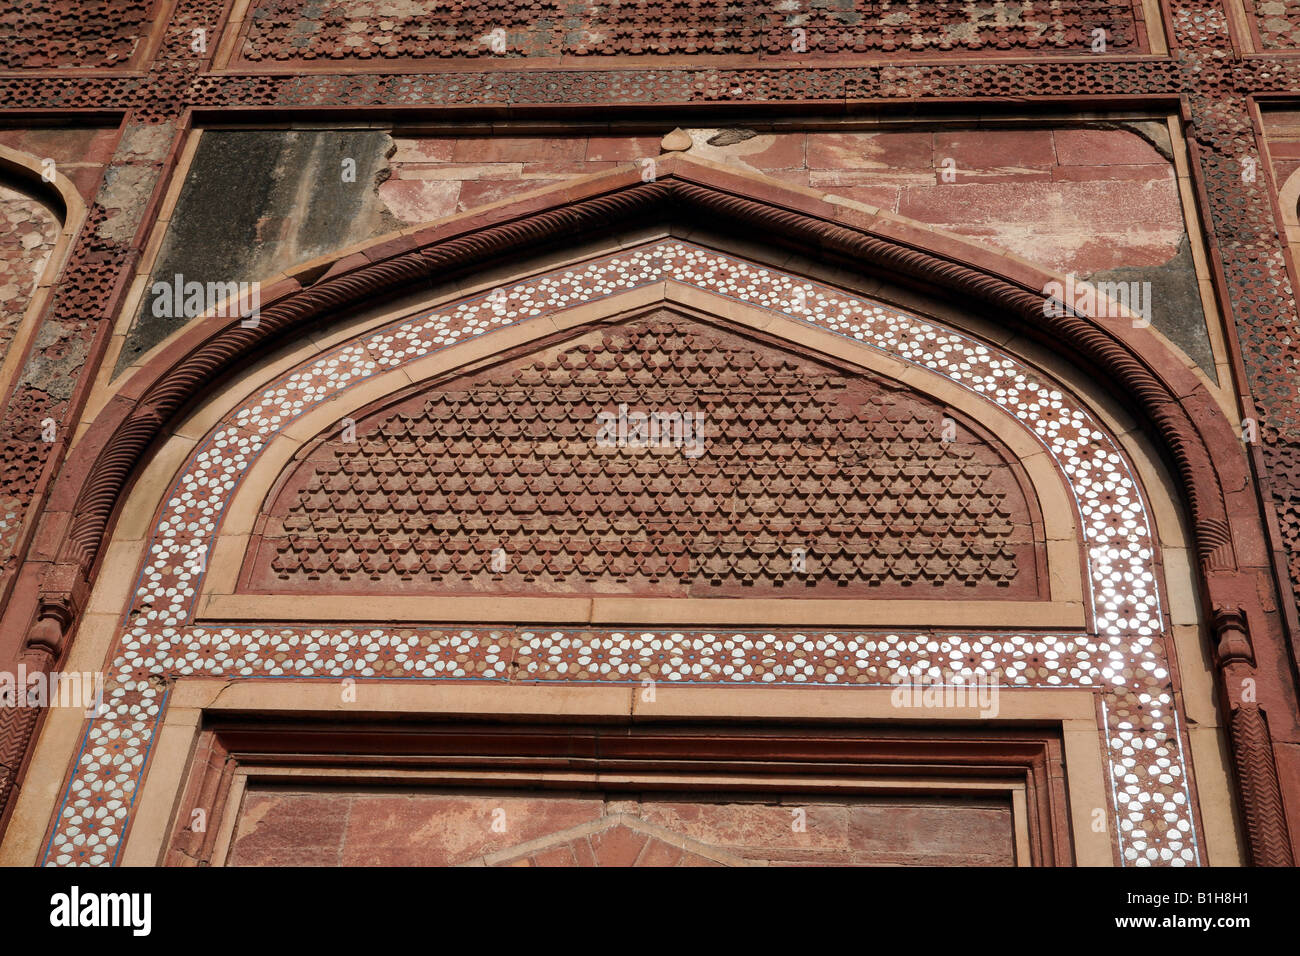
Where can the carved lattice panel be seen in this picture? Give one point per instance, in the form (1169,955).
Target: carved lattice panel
(662,457)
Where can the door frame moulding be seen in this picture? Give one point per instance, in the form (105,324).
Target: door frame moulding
(246,777)
(193,770)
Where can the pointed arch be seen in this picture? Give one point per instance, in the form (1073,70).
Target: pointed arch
(1167,397)
(1141,373)
(60,197)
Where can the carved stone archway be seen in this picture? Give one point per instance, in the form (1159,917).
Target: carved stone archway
(1173,403)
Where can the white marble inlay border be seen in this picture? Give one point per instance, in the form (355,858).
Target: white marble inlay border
(1124,659)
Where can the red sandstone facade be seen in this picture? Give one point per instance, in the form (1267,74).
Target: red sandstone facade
(648,411)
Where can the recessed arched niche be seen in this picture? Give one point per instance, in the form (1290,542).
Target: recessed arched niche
(676,469)
(705,462)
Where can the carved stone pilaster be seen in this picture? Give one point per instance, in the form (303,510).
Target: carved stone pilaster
(62,596)
(17,728)
(1261,796)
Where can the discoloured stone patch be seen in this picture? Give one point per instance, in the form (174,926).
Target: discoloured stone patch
(257,201)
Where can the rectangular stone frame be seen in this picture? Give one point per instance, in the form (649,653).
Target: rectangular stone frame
(191,766)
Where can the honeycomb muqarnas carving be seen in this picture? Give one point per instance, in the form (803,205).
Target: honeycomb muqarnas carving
(533,477)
